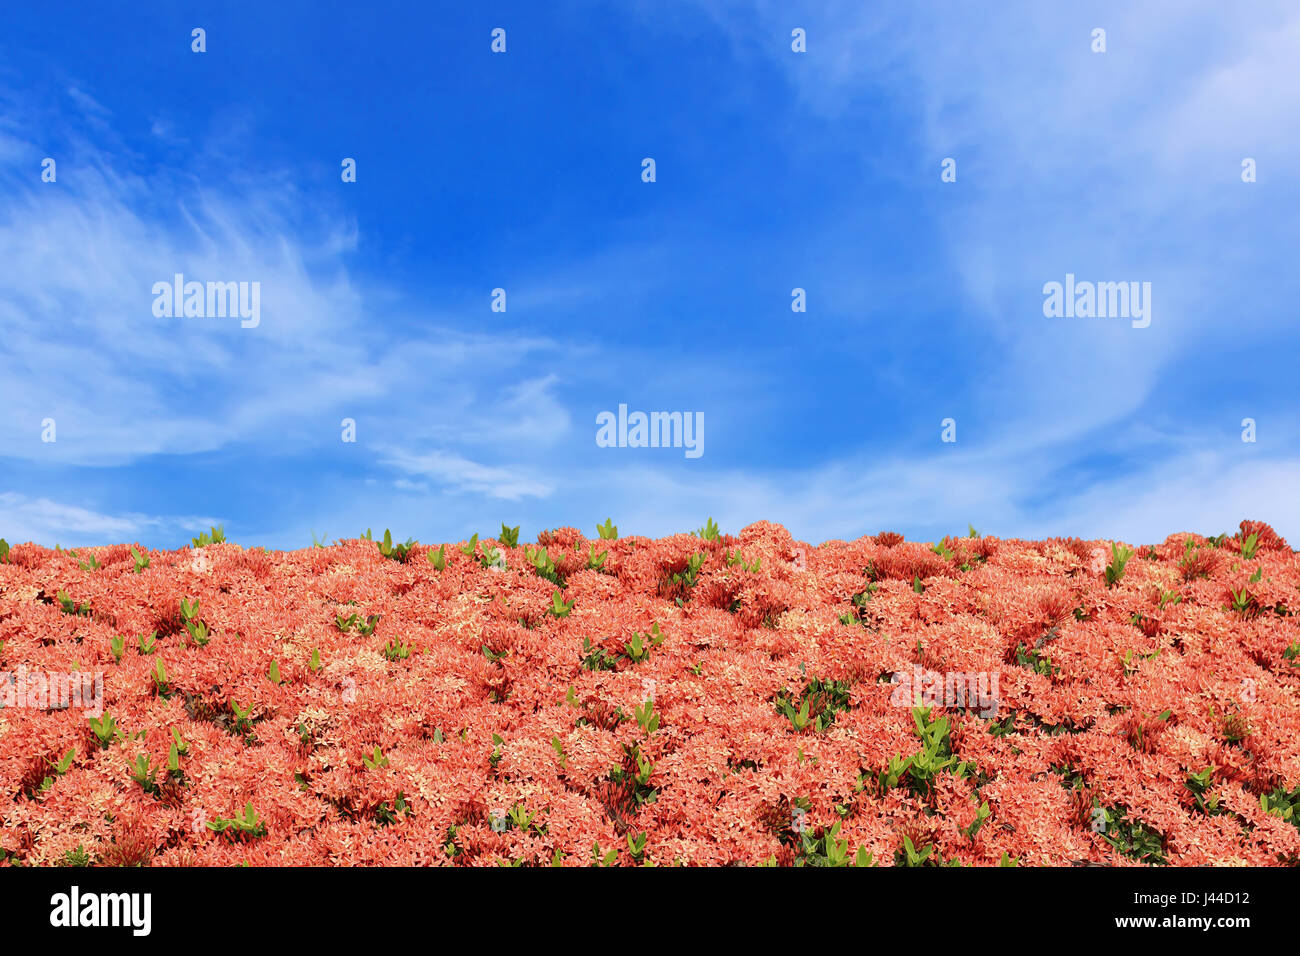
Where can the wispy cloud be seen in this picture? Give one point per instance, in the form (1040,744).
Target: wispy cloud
(819,170)
(1117,165)
(26,518)
(464,476)
(83,347)
(929,496)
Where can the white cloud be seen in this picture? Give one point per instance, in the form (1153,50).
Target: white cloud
(1069,161)
(462,475)
(81,344)
(1000,493)
(1115,166)
(1203,492)
(47,522)
(88,104)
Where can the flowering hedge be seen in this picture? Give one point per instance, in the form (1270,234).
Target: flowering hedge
(701,699)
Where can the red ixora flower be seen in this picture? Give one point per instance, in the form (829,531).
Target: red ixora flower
(701,698)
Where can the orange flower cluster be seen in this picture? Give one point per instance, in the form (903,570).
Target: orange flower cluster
(687,700)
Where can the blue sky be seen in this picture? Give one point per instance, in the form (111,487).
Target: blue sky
(522,170)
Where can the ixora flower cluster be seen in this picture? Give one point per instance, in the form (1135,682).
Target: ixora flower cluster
(697,699)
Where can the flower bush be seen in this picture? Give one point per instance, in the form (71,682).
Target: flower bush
(703,698)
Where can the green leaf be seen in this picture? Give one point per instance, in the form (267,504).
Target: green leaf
(1250,546)
(63,763)
(559,606)
(1119,557)
(439,558)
